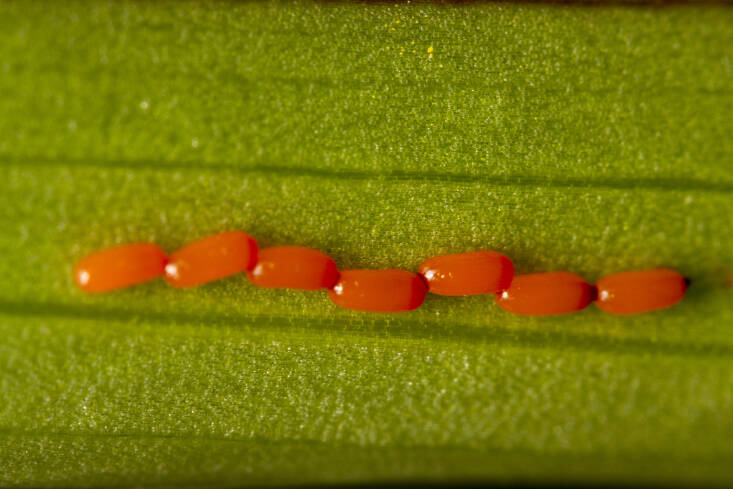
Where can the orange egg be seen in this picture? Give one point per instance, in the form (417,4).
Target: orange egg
(294,267)
(379,290)
(119,267)
(545,294)
(211,258)
(478,272)
(640,291)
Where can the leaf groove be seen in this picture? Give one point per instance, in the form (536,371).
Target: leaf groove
(678,184)
(398,327)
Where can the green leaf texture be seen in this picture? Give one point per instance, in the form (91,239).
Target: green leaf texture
(587,138)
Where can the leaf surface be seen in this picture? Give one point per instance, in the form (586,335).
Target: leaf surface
(581,138)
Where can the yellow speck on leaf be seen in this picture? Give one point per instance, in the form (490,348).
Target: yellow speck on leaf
(430,49)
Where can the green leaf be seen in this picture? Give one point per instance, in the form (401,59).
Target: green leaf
(581,138)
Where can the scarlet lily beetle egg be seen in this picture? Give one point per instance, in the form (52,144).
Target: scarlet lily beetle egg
(478,272)
(119,267)
(211,258)
(640,291)
(544,294)
(294,267)
(379,290)
(297,267)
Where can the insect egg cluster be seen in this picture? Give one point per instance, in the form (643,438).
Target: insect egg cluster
(296,267)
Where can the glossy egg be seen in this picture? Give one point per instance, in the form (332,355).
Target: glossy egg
(379,290)
(478,272)
(545,294)
(119,267)
(294,267)
(640,291)
(211,258)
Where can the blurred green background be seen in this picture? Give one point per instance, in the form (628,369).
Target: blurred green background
(587,138)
